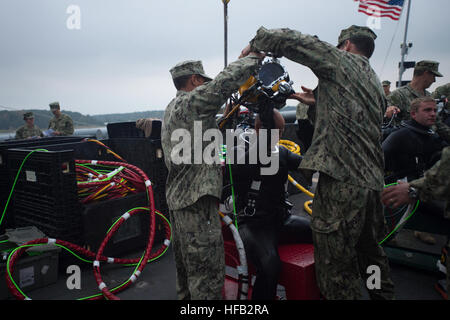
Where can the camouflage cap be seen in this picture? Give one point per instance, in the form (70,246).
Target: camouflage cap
(386,83)
(28,115)
(428,65)
(187,68)
(54,105)
(355,31)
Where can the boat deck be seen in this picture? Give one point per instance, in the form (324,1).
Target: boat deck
(157,281)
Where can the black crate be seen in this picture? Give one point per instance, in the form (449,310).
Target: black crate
(147,155)
(98,217)
(124,130)
(30,143)
(47,174)
(83,150)
(70,233)
(31,272)
(37,142)
(45,194)
(58,216)
(8,218)
(129,130)
(46,201)
(6,181)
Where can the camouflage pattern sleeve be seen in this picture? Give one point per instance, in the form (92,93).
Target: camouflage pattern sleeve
(395,99)
(25,132)
(401,98)
(349,110)
(67,126)
(442,91)
(301,111)
(207,99)
(436,183)
(442,130)
(308,50)
(19,133)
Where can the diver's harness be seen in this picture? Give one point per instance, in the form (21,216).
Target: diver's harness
(251,198)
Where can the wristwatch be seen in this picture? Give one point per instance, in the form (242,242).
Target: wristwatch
(413,193)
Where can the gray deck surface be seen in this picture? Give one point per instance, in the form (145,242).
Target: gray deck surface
(157,282)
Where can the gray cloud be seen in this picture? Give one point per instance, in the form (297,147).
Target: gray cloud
(119,60)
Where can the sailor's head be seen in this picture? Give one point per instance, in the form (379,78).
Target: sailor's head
(423,111)
(427,71)
(188,75)
(358,40)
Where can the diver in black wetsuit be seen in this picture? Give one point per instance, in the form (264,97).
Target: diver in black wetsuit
(413,149)
(264,218)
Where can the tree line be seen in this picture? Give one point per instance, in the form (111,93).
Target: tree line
(11,120)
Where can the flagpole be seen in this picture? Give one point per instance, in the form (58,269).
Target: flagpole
(225,21)
(404,47)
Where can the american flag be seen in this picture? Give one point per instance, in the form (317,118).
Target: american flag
(381,8)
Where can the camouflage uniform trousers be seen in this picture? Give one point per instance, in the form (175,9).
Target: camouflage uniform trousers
(347,223)
(199,250)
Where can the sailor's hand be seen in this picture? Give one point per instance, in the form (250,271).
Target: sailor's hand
(306,97)
(245,52)
(395,196)
(390,111)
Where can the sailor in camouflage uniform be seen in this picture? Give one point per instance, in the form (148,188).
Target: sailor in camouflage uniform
(29,130)
(193,190)
(441,91)
(347,216)
(434,185)
(386,87)
(425,73)
(61,123)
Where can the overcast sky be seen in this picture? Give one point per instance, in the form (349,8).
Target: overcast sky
(119,59)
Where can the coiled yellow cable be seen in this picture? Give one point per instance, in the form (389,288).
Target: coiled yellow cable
(295,148)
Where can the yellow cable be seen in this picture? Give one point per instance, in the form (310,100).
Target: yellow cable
(224,120)
(295,148)
(300,187)
(291,146)
(108,150)
(307,206)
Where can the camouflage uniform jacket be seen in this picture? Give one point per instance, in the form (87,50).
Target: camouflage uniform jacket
(186,183)
(25,132)
(435,185)
(63,124)
(442,130)
(305,111)
(402,98)
(443,90)
(346,144)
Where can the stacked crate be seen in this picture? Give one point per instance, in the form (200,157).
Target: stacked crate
(145,153)
(99,216)
(5,178)
(45,194)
